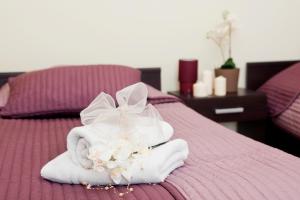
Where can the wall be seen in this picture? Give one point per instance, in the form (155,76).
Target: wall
(36,34)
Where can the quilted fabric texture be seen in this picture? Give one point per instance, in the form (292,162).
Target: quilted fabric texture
(64,90)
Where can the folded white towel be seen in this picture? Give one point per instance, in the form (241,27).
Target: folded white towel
(153,168)
(81,139)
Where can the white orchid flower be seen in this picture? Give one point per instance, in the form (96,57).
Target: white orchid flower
(122,153)
(100,152)
(221,35)
(116,175)
(117,155)
(225,14)
(98,166)
(111,164)
(127,174)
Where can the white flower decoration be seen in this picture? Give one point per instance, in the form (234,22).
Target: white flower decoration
(118,155)
(221,34)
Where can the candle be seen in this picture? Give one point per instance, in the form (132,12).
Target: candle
(220,86)
(199,89)
(208,77)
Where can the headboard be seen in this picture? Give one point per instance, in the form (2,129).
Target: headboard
(150,76)
(259,72)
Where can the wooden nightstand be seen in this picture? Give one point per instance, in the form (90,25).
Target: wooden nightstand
(246,107)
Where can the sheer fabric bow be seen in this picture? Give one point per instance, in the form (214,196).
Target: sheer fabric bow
(132,102)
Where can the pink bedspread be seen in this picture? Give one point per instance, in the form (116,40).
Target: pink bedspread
(222,164)
(226,165)
(157,97)
(26,145)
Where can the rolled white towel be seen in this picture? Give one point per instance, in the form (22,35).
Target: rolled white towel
(81,139)
(153,168)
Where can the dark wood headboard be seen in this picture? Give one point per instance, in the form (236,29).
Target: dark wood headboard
(150,76)
(259,72)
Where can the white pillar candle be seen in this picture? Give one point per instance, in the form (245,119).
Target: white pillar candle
(208,77)
(199,89)
(220,86)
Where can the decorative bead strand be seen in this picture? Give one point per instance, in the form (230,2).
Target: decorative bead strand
(109,187)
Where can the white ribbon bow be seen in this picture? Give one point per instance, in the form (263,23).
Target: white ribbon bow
(132,102)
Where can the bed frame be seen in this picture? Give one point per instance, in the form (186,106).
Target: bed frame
(150,76)
(257,74)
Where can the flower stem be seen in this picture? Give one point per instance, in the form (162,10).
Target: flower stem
(220,47)
(229,50)
(222,52)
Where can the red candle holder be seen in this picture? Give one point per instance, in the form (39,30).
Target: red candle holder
(188,74)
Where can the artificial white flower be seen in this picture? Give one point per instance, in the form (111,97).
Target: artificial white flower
(116,175)
(118,155)
(111,164)
(98,166)
(228,16)
(127,174)
(225,14)
(221,34)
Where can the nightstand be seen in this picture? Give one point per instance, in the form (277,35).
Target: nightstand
(246,107)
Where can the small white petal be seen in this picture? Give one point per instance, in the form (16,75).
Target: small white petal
(111,164)
(225,14)
(99,168)
(106,155)
(127,175)
(116,176)
(123,153)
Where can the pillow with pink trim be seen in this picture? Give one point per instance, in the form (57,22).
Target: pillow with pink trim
(4,95)
(64,90)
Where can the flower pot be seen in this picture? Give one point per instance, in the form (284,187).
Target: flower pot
(232,77)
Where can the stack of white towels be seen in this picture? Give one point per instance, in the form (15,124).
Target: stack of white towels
(103,150)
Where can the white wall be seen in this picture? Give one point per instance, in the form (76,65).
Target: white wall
(36,34)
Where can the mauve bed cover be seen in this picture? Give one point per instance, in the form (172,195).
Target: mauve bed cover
(222,164)
(282,92)
(289,119)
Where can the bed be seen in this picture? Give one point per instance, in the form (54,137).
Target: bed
(222,164)
(283,129)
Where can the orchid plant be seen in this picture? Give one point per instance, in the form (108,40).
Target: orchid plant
(221,35)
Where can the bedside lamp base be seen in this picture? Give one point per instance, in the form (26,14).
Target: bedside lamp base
(186,88)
